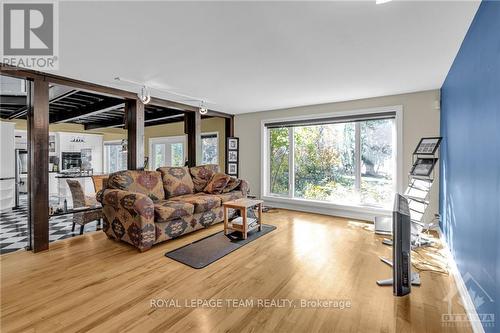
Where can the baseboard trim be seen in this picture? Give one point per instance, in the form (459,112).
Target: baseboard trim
(470,309)
(350,214)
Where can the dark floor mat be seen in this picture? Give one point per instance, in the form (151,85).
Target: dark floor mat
(207,250)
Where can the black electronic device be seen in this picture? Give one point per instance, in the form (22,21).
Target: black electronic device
(401,249)
(402,277)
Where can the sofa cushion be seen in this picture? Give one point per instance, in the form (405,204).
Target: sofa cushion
(176,181)
(168,210)
(232,184)
(230,196)
(201,175)
(144,182)
(202,202)
(217,183)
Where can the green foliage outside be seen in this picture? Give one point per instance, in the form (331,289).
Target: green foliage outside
(325,167)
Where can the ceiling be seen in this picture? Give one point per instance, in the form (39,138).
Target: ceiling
(254,56)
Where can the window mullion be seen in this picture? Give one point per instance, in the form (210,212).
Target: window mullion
(291,162)
(357,155)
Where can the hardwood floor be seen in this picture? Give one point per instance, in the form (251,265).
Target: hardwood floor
(90,283)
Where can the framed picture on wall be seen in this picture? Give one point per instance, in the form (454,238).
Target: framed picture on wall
(232,143)
(232,156)
(232,169)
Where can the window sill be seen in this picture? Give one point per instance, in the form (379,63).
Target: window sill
(313,206)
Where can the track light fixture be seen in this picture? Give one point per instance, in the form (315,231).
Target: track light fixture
(203,108)
(144,95)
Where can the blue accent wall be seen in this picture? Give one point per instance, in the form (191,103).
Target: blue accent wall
(470,161)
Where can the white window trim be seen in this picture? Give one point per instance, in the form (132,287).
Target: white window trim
(168,139)
(104,155)
(217,148)
(350,211)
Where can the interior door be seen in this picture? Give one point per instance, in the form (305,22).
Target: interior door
(167,151)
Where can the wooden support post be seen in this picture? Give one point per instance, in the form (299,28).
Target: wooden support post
(229,126)
(38,167)
(134,110)
(192,127)
(228,133)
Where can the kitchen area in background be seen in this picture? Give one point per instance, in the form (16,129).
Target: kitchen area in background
(87,141)
(77,160)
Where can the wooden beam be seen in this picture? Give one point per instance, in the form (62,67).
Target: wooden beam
(56,79)
(213,113)
(38,167)
(91,110)
(92,87)
(192,127)
(134,109)
(172,105)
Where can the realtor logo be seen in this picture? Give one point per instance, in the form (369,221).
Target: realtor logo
(30,34)
(478,298)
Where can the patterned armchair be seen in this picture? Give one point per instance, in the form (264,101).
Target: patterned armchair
(144,208)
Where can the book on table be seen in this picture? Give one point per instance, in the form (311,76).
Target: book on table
(251,222)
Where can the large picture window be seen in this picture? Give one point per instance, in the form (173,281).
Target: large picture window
(345,161)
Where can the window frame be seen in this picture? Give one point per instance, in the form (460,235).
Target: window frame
(169,139)
(105,157)
(360,211)
(166,140)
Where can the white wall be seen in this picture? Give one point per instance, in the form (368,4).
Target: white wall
(420,118)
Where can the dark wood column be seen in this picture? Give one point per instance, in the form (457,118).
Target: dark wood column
(134,109)
(38,159)
(192,127)
(228,133)
(229,126)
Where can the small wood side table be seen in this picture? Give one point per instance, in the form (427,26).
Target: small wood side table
(242,205)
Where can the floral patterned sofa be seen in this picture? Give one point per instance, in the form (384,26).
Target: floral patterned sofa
(144,208)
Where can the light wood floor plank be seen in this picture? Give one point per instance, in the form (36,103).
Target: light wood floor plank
(92,284)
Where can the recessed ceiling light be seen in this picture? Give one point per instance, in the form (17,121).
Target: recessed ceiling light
(379,2)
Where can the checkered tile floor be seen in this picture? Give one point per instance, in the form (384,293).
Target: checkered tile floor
(14,228)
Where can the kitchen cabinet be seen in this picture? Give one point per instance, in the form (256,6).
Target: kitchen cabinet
(75,142)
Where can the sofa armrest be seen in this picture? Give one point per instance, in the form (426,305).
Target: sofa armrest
(128,216)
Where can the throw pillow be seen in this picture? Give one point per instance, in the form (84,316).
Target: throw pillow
(145,182)
(232,184)
(176,181)
(217,183)
(202,174)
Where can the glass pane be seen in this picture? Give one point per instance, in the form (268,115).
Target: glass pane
(278,160)
(115,159)
(177,154)
(209,150)
(325,163)
(377,162)
(159,155)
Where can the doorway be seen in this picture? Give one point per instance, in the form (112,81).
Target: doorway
(167,151)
